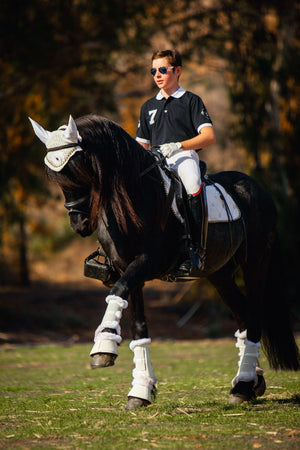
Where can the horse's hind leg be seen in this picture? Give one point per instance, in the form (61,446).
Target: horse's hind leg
(243,388)
(107,335)
(143,384)
(224,282)
(249,381)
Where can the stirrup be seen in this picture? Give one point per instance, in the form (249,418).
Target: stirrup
(100,270)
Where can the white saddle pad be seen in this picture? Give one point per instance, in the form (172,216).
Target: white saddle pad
(217,209)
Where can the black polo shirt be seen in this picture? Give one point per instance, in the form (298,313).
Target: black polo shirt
(177,118)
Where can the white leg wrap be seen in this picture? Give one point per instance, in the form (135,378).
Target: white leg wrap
(248,363)
(143,376)
(106,342)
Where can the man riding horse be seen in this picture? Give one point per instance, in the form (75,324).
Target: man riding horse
(178,122)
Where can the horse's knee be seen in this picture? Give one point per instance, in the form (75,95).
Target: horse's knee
(139,330)
(120,289)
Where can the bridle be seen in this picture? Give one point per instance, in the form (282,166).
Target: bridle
(77,206)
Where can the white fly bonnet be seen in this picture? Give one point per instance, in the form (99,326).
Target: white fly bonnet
(61,144)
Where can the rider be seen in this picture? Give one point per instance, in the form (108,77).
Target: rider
(178,122)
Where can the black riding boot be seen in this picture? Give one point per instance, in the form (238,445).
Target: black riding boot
(198,230)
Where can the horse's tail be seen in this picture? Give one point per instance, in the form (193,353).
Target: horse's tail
(277,334)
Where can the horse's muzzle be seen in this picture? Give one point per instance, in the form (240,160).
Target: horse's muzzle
(80,225)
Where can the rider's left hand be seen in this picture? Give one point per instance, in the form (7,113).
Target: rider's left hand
(170,149)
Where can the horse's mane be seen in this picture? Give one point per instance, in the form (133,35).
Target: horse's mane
(112,167)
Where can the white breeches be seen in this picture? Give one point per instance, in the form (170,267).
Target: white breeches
(186,165)
(106,342)
(143,376)
(248,363)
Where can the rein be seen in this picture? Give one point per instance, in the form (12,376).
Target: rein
(160,162)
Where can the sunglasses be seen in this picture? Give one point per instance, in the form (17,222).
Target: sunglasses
(162,70)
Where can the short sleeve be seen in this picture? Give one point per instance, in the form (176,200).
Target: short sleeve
(143,132)
(199,113)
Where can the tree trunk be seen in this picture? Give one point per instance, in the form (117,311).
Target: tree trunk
(24,269)
(284,41)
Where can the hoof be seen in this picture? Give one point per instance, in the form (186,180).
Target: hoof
(237,399)
(242,392)
(103,360)
(135,403)
(260,388)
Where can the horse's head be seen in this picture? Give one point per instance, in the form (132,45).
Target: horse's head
(64,161)
(78,205)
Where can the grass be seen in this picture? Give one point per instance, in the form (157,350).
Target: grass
(50,398)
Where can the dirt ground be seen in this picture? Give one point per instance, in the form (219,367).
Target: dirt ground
(71,313)
(63,305)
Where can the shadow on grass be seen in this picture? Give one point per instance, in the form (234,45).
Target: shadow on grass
(295,399)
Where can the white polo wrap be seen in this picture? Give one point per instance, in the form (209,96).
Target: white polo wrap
(248,362)
(143,377)
(106,342)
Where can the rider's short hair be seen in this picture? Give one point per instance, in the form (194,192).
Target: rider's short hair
(173,56)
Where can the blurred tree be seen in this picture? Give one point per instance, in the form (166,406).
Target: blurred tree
(56,57)
(258,42)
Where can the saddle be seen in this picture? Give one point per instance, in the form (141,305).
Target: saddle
(221,206)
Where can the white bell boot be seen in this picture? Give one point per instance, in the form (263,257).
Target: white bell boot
(106,342)
(143,377)
(248,362)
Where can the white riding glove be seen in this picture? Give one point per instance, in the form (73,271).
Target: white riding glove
(170,149)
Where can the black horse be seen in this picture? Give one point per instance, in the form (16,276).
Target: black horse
(115,186)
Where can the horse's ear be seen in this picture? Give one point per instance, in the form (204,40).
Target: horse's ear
(42,134)
(71,132)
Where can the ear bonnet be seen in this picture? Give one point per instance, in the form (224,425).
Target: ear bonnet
(61,144)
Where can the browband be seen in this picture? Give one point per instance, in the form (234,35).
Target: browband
(61,147)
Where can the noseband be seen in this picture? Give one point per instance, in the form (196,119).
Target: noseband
(78,206)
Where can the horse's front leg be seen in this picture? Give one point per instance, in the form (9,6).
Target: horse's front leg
(107,335)
(143,384)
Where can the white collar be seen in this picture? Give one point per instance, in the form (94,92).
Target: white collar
(179,93)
